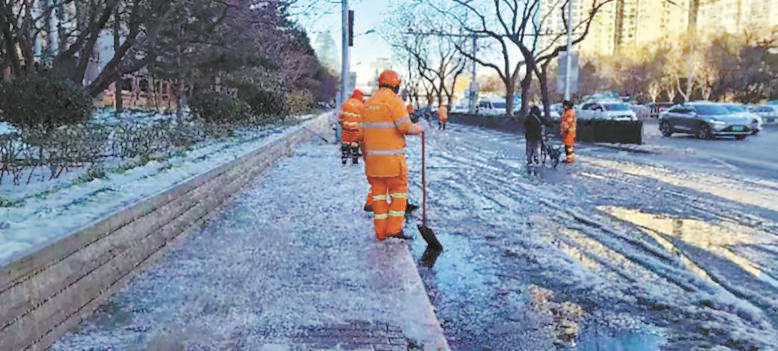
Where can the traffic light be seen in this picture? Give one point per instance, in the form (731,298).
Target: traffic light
(350,28)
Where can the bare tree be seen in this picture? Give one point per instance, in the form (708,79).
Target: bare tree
(543,56)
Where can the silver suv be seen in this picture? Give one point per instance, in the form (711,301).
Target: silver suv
(705,120)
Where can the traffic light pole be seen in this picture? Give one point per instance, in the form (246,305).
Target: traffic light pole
(345,69)
(568,59)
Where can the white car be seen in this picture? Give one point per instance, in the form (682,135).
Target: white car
(607,111)
(741,110)
(460,108)
(769,113)
(491,108)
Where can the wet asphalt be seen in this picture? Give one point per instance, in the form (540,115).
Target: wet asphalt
(621,251)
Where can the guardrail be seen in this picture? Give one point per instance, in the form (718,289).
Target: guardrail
(50,290)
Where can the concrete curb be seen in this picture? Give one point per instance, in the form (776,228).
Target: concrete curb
(48,291)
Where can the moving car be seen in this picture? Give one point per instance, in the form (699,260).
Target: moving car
(738,109)
(491,108)
(769,113)
(607,110)
(705,120)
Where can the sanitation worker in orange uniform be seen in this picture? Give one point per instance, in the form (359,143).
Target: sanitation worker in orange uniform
(442,116)
(385,122)
(350,121)
(568,131)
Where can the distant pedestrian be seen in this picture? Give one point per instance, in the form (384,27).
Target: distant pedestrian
(442,116)
(533,133)
(568,131)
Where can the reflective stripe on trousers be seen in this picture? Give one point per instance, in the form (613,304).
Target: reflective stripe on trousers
(388,217)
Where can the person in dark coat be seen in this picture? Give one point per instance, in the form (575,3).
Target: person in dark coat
(533,133)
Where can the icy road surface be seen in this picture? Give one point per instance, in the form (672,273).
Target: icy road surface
(621,251)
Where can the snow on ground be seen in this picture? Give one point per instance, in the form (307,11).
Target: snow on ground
(53,209)
(6,128)
(656,256)
(294,252)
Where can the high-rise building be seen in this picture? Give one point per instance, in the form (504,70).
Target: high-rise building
(629,23)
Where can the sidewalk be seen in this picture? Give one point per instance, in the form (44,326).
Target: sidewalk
(291,264)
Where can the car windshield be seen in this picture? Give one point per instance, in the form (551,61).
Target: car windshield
(616,107)
(735,108)
(498,104)
(711,110)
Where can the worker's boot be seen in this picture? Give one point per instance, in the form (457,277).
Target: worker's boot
(344,153)
(401,235)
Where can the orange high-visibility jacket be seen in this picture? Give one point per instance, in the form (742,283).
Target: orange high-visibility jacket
(443,113)
(385,122)
(351,120)
(568,124)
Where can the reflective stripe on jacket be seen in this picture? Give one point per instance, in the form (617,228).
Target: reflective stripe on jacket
(568,123)
(385,122)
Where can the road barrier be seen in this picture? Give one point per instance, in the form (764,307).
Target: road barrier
(622,132)
(50,290)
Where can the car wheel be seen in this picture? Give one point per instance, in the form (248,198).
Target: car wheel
(704,132)
(755,132)
(666,130)
(740,137)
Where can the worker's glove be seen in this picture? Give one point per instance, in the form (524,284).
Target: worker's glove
(424,125)
(414,117)
(565,132)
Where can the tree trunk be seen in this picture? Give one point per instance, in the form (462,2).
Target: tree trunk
(510,93)
(118,95)
(47,53)
(10,45)
(526,84)
(543,81)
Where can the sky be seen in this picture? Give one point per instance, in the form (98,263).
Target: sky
(369,14)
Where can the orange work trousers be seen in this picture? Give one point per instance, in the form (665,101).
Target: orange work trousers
(569,143)
(390,198)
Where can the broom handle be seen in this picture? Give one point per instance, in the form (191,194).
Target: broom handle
(423,179)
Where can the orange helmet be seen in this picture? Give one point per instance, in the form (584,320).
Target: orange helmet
(357,94)
(389,78)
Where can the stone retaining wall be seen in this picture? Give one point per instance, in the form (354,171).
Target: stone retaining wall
(47,292)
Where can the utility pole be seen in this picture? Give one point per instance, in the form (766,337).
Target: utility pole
(345,69)
(473,82)
(568,59)
(694,7)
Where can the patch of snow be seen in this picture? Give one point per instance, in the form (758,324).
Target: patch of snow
(66,207)
(6,128)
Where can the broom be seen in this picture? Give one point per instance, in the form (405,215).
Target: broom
(426,232)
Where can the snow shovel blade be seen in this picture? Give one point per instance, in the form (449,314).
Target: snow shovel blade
(410,208)
(429,236)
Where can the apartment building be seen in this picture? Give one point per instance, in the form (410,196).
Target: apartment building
(629,23)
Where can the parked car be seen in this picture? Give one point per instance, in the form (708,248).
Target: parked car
(641,111)
(491,108)
(658,107)
(756,121)
(607,110)
(769,113)
(705,120)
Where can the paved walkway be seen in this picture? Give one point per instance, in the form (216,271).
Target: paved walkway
(291,264)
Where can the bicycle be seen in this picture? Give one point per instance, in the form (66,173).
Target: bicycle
(549,151)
